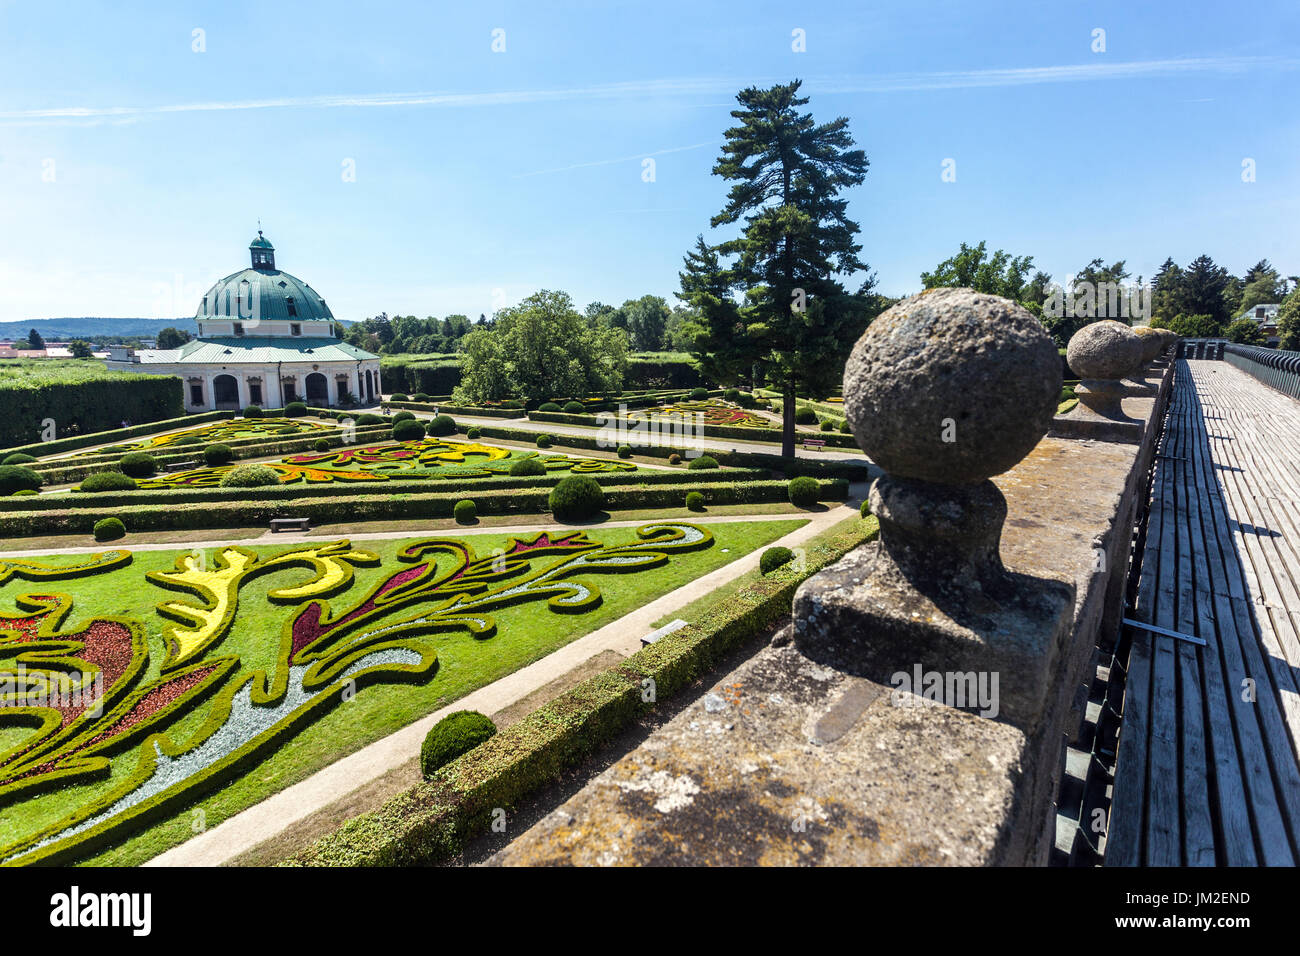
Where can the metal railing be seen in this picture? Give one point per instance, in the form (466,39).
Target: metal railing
(1273,367)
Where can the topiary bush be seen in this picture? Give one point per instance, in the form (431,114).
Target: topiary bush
(455,734)
(108,529)
(624,451)
(399,397)
(442,425)
(295,410)
(731,394)
(418,397)
(402,416)
(466,512)
(548,407)
(250,476)
(22,492)
(773,558)
(694,501)
(321,444)
(803,491)
(16,478)
(189,440)
(576,498)
(574,408)
(828,424)
(369,419)
(803,415)
(408,429)
(17,458)
(674,459)
(253,411)
(704,461)
(218,454)
(107,481)
(865,510)
(698,394)
(522,467)
(543,441)
(287,430)
(473,432)
(844,428)
(138,464)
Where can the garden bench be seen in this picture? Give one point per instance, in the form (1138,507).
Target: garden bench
(664,631)
(172,466)
(815,444)
(290,524)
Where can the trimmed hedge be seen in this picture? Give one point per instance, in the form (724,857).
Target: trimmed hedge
(576,498)
(774,558)
(15,478)
(434,820)
(61,445)
(250,476)
(734,432)
(18,458)
(89,400)
(109,529)
(102,481)
(457,733)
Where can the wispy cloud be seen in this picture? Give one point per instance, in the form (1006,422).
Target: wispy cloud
(699,86)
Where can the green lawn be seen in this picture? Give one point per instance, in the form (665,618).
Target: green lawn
(526,632)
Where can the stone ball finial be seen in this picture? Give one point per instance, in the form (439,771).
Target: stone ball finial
(1153,343)
(952,386)
(1104,350)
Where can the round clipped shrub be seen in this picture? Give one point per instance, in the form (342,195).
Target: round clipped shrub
(108,529)
(21,492)
(803,491)
(694,501)
(704,461)
(731,394)
(466,512)
(455,734)
(698,394)
(250,476)
(624,451)
(575,498)
(828,424)
(138,464)
(287,430)
(402,416)
(803,415)
(295,410)
(473,432)
(522,467)
(107,481)
(321,444)
(442,425)
(548,407)
(844,428)
(418,397)
(189,440)
(17,458)
(253,411)
(773,558)
(573,408)
(543,441)
(369,419)
(218,454)
(408,429)
(399,397)
(674,459)
(865,510)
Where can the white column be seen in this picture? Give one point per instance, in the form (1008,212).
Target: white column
(242,387)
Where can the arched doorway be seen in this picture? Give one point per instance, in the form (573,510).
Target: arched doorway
(370,388)
(225,392)
(317,390)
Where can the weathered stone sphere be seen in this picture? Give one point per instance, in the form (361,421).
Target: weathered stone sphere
(952,386)
(1104,350)
(1153,343)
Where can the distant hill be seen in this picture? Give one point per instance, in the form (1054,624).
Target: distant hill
(61,329)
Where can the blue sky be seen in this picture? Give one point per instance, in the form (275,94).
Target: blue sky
(483,176)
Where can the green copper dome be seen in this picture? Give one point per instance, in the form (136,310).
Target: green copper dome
(264,291)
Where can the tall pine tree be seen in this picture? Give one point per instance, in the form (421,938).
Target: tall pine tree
(787,174)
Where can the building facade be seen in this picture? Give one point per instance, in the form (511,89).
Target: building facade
(265,338)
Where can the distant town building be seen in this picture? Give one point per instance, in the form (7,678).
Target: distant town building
(1265,316)
(265,338)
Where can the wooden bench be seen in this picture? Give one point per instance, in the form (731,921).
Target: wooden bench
(662,632)
(290,524)
(173,466)
(816,444)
